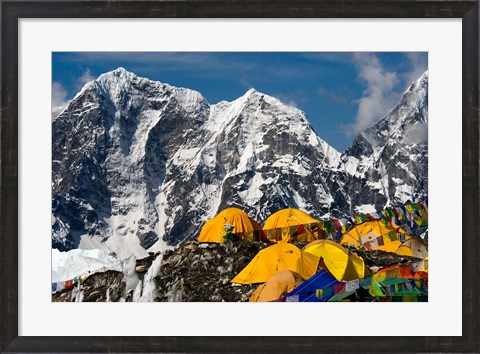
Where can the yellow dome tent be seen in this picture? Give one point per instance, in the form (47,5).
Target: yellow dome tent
(277,286)
(413,247)
(374,235)
(244,226)
(292,224)
(342,265)
(273,259)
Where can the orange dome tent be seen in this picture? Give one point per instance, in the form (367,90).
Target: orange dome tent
(337,260)
(243,226)
(273,259)
(374,235)
(413,247)
(292,224)
(277,286)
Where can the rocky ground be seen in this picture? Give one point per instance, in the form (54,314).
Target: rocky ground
(202,272)
(198,272)
(98,287)
(382,259)
(105,286)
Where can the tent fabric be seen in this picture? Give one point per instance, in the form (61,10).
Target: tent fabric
(244,226)
(337,260)
(413,247)
(367,234)
(356,268)
(421,275)
(422,266)
(292,224)
(314,242)
(310,290)
(404,272)
(277,286)
(276,258)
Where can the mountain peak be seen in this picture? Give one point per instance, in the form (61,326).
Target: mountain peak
(419,84)
(118,74)
(251,95)
(120,71)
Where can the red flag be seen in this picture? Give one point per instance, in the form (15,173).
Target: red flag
(69,284)
(337,225)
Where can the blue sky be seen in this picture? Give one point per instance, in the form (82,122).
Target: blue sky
(341,93)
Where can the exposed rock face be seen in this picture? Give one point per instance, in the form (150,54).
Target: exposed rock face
(387,164)
(138,163)
(202,272)
(99,287)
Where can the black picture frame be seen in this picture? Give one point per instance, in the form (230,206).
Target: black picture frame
(12,11)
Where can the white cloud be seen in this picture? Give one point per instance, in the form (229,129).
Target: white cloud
(416,134)
(59,98)
(60,94)
(85,78)
(378,96)
(296,98)
(419,62)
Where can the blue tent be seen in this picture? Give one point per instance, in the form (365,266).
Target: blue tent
(307,291)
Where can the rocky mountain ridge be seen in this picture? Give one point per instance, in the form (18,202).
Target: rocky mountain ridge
(138,165)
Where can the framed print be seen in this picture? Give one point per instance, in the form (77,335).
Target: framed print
(42,46)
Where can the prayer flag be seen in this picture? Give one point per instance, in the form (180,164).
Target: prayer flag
(293,298)
(352,285)
(339,288)
(69,284)
(339,235)
(380,241)
(328,292)
(337,224)
(376,290)
(399,211)
(367,281)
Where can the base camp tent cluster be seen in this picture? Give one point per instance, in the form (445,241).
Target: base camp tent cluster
(326,270)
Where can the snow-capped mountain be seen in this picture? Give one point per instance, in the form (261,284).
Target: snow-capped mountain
(137,163)
(387,163)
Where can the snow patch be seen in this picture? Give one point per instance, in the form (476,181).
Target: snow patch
(365,208)
(79,262)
